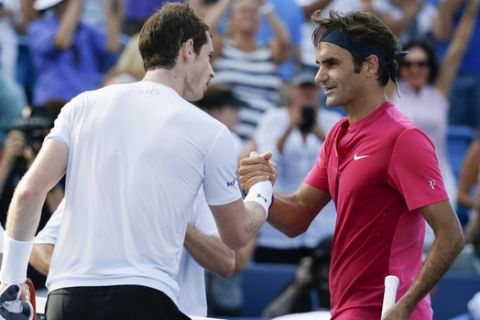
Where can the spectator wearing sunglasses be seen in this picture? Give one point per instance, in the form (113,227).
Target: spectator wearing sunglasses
(424,87)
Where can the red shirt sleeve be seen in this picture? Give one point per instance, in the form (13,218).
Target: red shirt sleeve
(414,170)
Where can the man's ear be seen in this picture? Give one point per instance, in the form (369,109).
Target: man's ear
(371,66)
(187,51)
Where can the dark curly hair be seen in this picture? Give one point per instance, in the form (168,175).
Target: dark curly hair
(362,28)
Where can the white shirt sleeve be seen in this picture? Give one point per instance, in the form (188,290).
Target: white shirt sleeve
(220,182)
(49,233)
(65,120)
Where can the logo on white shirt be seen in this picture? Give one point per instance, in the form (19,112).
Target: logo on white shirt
(357,157)
(231,183)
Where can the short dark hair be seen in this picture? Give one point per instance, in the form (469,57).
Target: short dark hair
(362,28)
(164,33)
(432,58)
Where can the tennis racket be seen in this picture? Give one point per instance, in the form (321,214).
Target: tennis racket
(390,294)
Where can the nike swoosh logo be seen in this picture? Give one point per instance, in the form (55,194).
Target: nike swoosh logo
(357,157)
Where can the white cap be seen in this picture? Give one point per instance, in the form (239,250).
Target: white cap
(40,5)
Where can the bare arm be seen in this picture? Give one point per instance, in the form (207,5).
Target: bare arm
(114,13)
(442,25)
(212,19)
(238,222)
(409,9)
(68,24)
(293,214)
(41,257)
(45,172)
(281,39)
(469,174)
(210,252)
(457,47)
(448,243)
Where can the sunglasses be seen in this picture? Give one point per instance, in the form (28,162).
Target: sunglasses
(418,64)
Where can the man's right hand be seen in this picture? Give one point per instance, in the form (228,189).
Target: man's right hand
(256,168)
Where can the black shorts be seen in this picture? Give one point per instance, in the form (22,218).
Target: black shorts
(111,302)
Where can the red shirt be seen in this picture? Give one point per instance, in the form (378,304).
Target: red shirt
(379,171)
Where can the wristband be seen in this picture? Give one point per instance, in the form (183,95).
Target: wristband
(261,193)
(267,8)
(15,260)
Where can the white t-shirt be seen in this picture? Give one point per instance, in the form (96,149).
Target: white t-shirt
(138,154)
(192,299)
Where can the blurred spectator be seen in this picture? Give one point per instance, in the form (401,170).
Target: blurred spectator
(467,180)
(137,11)
(106,16)
(294,134)
(291,14)
(12,102)
(8,37)
(465,93)
(310,282)
(66,53)
(424,89)
(249,67)
(129,66)
(408,19)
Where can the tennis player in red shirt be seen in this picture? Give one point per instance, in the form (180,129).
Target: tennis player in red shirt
(382,173)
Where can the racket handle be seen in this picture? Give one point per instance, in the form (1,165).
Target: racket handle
(391,286)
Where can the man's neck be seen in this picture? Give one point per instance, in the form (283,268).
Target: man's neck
(365,104)
(170,78)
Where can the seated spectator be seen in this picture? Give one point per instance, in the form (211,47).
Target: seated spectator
(66,65)
(249,67)
(295,135)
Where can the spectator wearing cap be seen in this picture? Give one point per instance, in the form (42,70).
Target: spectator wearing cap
(65,53)
(295,135)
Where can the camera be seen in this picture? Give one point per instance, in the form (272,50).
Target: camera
(308,119)
(35,127)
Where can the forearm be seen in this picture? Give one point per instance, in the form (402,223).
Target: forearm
(210,252)
(68,24)
(24,212)
(457,47)
(113,12)
(289,215)
(280,32)
(41,257)
(442,25)
(444,250)
(215,14)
